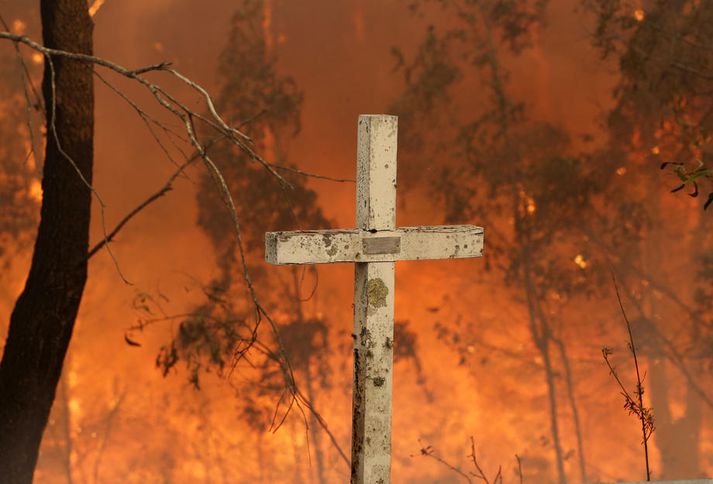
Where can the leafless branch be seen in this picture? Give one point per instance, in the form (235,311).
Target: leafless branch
(149,121)
(480,474)
(52,129)
(312,175)
(169,101)
(188,118)
(634,405)
(429,451)
(297,397)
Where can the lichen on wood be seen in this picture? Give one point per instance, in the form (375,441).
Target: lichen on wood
(376,292)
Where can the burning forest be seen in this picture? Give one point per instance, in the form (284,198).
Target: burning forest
(147,148)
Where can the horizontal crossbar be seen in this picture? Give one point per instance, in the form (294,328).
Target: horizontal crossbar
(405,243)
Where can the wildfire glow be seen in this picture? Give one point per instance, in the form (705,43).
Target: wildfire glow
(18,26)
(639,15)
(621,170)
(37,58)
(267,24)
(580,261)
(95,7)
(531,206)
(359,25)
(655,150)
(36,190)
(74,405)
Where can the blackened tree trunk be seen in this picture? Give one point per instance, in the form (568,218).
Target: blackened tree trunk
(42,321)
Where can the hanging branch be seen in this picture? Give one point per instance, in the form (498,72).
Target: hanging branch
(170,102)
(188,118)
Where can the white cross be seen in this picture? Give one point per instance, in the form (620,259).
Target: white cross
(374,246)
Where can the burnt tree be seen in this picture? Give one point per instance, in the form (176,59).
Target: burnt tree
(42,321)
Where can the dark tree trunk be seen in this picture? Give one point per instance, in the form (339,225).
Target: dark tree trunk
(43,318)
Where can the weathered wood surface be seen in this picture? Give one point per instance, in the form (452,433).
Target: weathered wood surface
(414,243)
(376,172)
(373,362)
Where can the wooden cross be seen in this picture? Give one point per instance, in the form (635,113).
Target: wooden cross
(374,246)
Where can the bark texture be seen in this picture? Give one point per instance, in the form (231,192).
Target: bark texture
(42,321)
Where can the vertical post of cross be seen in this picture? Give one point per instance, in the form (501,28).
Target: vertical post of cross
(374,304)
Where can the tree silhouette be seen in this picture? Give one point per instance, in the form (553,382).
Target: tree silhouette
(535,189)
(217,331)
(663,117)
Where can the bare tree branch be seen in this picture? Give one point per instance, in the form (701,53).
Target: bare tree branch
(188,117)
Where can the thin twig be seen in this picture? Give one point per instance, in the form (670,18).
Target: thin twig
(474,458)
(300,400)
(149,121)
(429,451)
(519,468)
(312,175)
(633,405)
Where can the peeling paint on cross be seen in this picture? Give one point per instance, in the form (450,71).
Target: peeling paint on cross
(374,246)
